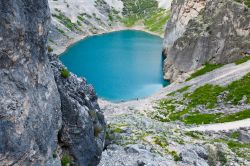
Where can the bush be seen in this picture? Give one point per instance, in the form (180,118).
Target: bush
(97,129)
(65,73)
(50,49)
(65,161)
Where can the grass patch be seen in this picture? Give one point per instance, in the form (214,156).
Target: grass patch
(66,21)
(184,89)
(233,145)
(243,60)
(200,118)
(234,117)
(207,68)
(175,156)
(205,95)
(235,135)
(147,12)
(161,141)
(239,89)
(194,134)
(157,20)
(246,2)
(216,118)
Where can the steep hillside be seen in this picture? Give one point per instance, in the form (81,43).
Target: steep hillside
(73,20)
(205,32)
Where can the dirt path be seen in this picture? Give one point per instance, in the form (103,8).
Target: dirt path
(222,126)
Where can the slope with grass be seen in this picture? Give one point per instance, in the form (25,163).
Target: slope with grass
(167,125)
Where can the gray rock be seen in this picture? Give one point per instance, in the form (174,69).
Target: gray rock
(199,32)
(194,155)
(244,136)
(30,115)
(83,126)
(133,155)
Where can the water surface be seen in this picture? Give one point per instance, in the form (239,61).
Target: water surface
(121,66)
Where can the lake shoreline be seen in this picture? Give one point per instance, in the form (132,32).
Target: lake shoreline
(140,81)
(61,49)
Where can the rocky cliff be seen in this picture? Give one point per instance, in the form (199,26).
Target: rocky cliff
(199,32)
(44,117)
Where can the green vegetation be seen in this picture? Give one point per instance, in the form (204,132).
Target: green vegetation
(207,68)
(239,89)
(80,18)
(145,12)
(205,95)
(140,9)
(243,60)
(65,161)
(200,118)
(233,117)
(235,135)
(246,2)
(175,156)
(194,134)
(66,21)
(184,89)
(161,141)
(216,118)
(50,49)
(157,20)
(241,149)
(65,73)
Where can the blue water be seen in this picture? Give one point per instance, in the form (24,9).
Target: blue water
(121,65)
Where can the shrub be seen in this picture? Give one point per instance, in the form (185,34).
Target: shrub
(50,49)
(161,141)
(97,129)
(65,73)
(65,161)
(175,156)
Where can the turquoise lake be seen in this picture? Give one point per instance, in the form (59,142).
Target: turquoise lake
(121,66)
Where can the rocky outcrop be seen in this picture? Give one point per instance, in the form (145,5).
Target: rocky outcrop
(30,115)
(43,116)
(200,32)
(83,126)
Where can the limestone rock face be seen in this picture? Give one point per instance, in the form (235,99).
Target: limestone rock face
(83,127)
(199,32)
(30,115)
